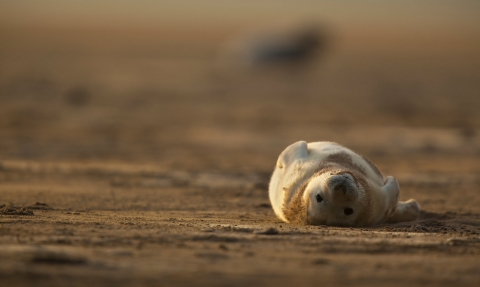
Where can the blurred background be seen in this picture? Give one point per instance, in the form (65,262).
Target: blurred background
(229,84)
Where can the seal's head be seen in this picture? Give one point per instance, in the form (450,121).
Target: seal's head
(335,197)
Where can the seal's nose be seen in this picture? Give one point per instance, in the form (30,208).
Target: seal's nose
(341,187)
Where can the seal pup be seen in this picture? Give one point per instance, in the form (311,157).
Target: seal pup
(324,183)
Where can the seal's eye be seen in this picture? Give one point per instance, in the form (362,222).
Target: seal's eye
(319,198)
(348,211)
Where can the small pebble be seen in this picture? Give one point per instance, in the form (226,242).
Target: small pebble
(269,231)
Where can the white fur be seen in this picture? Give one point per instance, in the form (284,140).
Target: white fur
(298,163)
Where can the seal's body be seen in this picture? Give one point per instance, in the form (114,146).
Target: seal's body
(326,183)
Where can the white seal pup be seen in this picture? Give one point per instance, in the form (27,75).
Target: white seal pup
(324,183)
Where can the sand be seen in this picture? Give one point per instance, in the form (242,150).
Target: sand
(127,159)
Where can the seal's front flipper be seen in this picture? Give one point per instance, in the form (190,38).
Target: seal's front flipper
(406,211)
(293,152)
(391,189)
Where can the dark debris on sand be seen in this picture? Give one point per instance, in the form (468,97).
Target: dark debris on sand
(14,210)
(11,209)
